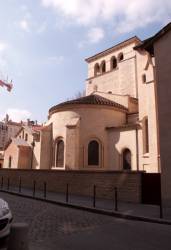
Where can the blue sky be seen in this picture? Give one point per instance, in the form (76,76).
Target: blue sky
(43,44)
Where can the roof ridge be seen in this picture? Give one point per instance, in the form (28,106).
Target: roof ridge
(149,41)
(88,59)
(93,99)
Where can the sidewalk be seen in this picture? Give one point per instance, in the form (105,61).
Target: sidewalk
(127,209)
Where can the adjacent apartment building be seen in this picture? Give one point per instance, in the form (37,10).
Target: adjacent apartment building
(8,129)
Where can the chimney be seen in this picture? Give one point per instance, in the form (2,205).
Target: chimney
(28,122)
(7,118)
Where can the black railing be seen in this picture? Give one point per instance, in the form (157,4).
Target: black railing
(96,194)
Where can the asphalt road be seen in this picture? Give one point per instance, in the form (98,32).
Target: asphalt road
(53,227)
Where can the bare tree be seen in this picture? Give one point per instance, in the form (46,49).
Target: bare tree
(78,94)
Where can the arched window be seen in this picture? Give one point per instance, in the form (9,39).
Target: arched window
(127,159)
(120,57)
(93,153)
(96,69)
(113,63)
(103,67)
(9,161)
(59,154)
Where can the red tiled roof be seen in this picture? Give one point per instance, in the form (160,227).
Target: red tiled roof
(37,128)
(88,100)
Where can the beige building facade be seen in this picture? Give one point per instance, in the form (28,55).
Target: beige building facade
(113,127)
(158,48)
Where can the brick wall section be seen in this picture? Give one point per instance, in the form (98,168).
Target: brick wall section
(80,182)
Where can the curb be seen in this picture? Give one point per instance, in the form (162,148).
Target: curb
(94,210)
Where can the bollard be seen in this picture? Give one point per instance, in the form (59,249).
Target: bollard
(161,209)
(8,183)
(45,190)
(94,196)
(67,193)
(34,188)
(19,187)
(18,238)
(2,182)
(116,198)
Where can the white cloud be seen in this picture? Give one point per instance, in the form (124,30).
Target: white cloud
(95,35)
(3,46)
(42,28)
(17,115)
(55,59)
(124,15)
(24,25)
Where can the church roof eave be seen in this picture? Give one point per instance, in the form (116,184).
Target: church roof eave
(88,100)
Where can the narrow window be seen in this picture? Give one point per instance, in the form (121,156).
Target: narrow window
(59,154)
(96,69)
(120,57)
(113,63)
(23,134)
(103,67)
(9,161)
(146,136)
(144,78)
(26,137)
(127,159)
(93,153)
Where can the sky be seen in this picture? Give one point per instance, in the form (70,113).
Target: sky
(43,44)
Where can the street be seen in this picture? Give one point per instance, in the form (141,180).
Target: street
(53,227)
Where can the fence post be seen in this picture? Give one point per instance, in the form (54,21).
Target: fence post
(94,196)
(2,182)
(116,198)
(8,183)
(45,190)
(67,193)
(34,188)
(19,187)
(161,208)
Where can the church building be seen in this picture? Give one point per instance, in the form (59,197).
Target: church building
(113,127)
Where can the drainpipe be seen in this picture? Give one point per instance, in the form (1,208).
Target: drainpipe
(137,148)
(157,125)
(32,153)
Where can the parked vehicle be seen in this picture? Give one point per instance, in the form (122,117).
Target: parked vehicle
(5,218)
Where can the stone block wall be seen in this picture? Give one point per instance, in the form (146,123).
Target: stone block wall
(80,182)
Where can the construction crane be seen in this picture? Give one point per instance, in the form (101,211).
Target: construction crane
(5,83)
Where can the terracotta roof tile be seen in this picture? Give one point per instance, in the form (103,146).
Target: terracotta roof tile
(86,100)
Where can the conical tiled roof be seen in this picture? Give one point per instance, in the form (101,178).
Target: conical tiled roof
(88,100)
